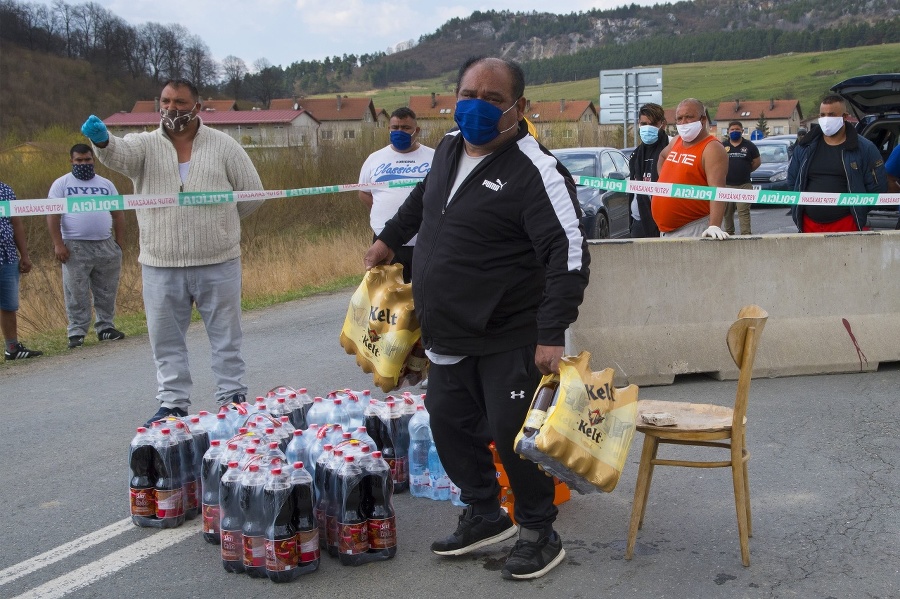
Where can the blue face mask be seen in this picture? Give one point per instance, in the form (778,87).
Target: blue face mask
(401,139)
(478,120)
(649,134)
(735,135)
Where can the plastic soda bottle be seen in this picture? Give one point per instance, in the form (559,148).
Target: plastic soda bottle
(143,478)
(210,477)
(305,519)
(253,530)
(232,519)
(353,532)
(169,490)
(281,536)
(378,508)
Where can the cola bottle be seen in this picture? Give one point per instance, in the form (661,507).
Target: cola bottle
(281,535)
(378,508)
(399,434)
(253,530)
(200,438)
(232,519)
(274,454)
(353,532)
(285,431)
(332,489)
(321,496)
(169,489)
(211,472)
(420,443)
(143,478)
(185,444)
(305,519)
(361,434)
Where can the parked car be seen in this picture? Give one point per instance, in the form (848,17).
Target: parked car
(627,152)
(875,101)
(606,213)
(775,156)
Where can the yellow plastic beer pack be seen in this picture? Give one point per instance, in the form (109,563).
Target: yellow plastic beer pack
(381,327)
(584,435)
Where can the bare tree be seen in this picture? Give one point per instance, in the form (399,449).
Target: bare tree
(173,44)
(201,68)
(152,52)
(267,82)
(234,69)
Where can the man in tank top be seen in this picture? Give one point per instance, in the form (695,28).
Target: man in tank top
(693,158)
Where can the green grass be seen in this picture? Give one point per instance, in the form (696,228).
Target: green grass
(54,343)
(806,77)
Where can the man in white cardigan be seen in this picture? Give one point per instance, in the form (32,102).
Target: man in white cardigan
(189,255)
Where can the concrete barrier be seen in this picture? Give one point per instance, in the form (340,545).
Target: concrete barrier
(658,308)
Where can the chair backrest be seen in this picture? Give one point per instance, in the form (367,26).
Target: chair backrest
(743,339)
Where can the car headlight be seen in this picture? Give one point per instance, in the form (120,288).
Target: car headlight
(779,176)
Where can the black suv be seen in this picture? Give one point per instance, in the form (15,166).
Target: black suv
(875,101)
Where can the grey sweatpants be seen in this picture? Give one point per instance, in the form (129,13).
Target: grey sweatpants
(169,296)
(93,268)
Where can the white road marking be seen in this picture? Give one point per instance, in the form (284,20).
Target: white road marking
(63,551)
(112,563)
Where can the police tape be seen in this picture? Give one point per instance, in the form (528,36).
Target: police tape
(745,196)
(100,203)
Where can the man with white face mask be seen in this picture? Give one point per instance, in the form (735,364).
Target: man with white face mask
(834,158)
(190,255)
(691,159)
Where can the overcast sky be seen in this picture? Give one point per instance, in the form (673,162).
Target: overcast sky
(285,31)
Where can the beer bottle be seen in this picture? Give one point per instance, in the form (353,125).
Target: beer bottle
(543,399)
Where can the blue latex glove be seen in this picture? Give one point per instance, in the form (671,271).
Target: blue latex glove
(95,130)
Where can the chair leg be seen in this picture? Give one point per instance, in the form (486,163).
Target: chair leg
(651,469)
(747,499)
(740,504)
(640,493)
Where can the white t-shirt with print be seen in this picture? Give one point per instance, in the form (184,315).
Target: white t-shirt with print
(89,226)
(387,164)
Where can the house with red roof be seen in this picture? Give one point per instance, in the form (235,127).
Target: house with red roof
(340,118)
(782,116)
(434,114)
(209,104)
(263,128)
(565,123)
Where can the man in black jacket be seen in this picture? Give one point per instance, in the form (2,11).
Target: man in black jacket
(499,271)
(642,166)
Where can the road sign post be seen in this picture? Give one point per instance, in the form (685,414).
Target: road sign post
(623,92)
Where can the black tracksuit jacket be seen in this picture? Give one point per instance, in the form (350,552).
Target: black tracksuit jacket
(505,264)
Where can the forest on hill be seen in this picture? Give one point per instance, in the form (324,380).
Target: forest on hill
(46,51)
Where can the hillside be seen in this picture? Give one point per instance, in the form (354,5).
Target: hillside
(666,33)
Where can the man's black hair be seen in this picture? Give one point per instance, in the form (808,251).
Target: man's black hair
(176,83)
(403,113)
(80,149)
(515,71)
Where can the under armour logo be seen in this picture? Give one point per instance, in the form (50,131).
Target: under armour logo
(517,395)
(493,186)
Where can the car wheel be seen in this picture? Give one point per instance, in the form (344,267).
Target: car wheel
(601,227)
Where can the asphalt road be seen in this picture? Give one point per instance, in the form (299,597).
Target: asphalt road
(826,512)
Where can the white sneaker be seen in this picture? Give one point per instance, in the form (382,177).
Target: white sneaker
(424,384)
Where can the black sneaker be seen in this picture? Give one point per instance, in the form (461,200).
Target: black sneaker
(20,352)
(76,341)
(533,555)
(237,398)
(164,413)
(110,334)
(475,532)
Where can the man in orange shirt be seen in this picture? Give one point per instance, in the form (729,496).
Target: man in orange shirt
(692,158)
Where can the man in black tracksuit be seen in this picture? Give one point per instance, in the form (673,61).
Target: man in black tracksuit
(499,271)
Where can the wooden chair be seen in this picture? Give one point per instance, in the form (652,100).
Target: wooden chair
(706,425)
